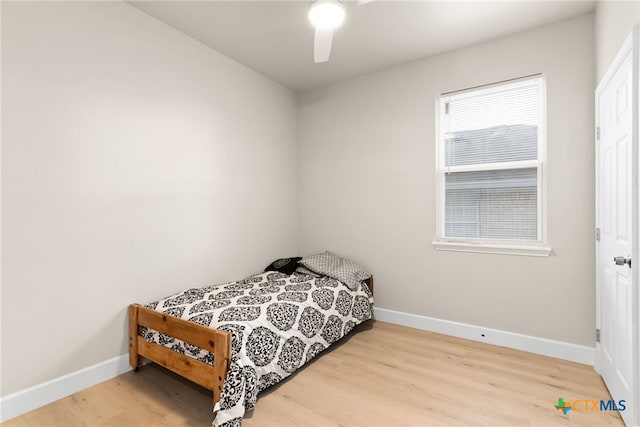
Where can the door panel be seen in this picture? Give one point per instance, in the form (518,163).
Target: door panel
(614,215)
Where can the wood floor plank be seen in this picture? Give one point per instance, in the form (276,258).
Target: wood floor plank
(382,375)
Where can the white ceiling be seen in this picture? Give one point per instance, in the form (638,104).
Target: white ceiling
(275,38)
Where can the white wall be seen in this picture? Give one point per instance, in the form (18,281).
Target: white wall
(613,23)
(135,162)
(367,186)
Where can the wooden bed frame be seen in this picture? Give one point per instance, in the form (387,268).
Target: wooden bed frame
(217,342)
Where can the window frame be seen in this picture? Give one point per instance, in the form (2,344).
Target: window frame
(537,247)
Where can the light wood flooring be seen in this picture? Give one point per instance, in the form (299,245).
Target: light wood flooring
(382,375)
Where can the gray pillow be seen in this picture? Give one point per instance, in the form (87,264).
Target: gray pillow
(336,267)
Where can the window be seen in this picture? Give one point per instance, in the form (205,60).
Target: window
(491,169)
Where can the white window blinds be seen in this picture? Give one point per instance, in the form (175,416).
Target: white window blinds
(491,162)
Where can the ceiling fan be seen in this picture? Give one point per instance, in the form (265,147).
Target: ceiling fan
(326,16)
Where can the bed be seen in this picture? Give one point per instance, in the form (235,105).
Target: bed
(239,338)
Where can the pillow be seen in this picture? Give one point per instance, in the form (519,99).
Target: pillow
(284,265)
(342,269)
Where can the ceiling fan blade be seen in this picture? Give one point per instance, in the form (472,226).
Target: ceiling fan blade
(322,45)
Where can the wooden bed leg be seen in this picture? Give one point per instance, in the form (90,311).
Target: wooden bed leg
(134,358)
(221,362)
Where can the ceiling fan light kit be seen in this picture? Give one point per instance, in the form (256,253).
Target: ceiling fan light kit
(326,14)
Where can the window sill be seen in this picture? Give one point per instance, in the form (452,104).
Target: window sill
(490,248)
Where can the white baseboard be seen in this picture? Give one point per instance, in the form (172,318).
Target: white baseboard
(39,395)
(543,346)
(34,397)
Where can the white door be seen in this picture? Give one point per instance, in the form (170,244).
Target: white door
(616,218)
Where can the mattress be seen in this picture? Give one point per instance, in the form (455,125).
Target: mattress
(277,322)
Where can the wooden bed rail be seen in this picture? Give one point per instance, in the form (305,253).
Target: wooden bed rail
(217,342)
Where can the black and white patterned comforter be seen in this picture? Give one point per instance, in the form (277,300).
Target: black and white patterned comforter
(277,324)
